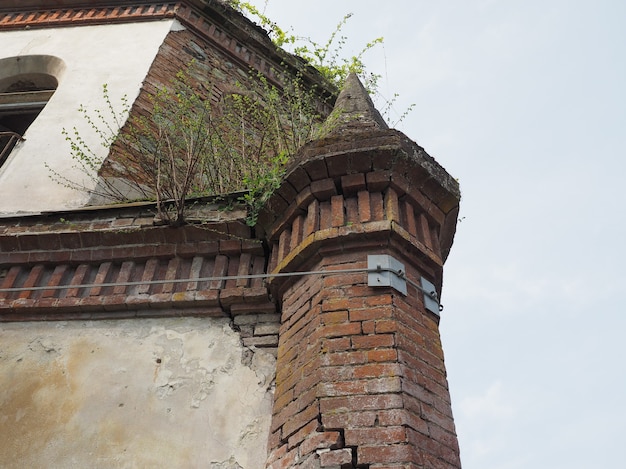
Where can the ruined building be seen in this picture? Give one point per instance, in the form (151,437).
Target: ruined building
(308,340)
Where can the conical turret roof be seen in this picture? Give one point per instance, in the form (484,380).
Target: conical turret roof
(356,151)
(354,109)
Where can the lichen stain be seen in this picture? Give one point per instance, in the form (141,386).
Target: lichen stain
(60,404)
(35,402)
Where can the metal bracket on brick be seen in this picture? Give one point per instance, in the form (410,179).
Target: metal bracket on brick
(431,300)
(385,271)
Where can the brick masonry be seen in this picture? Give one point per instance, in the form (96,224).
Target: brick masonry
(46,261)
(360,379)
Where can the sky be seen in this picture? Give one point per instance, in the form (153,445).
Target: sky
(524,102)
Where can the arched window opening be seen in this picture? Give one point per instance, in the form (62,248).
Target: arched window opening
(26,85)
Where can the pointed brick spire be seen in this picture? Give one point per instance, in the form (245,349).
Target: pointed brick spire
(354,109)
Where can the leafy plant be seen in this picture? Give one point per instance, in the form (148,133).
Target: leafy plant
(262,186)
(188,146)
(327,57)
(105,124)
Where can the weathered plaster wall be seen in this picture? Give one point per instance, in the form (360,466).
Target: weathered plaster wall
(157,393)
(118,55)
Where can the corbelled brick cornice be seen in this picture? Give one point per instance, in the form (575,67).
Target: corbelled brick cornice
(80,14)
(115,263)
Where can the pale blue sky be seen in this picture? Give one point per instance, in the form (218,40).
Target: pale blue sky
(524,101)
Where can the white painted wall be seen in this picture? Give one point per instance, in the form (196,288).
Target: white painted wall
(118,55)
(150,393)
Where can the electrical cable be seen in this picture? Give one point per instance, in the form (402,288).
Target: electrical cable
(399,273)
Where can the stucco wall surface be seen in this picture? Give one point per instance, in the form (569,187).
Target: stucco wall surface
(158,393)
(118,55)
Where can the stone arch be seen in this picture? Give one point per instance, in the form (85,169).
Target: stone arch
(43,70)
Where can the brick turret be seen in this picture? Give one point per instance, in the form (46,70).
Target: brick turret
(361,380)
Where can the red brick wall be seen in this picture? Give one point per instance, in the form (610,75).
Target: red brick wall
(361,380)
(360,373)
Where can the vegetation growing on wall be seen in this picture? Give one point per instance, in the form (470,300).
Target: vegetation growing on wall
(188,146)
(328,57)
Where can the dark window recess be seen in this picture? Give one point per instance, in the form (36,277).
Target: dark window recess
(8,140)
(20,105)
